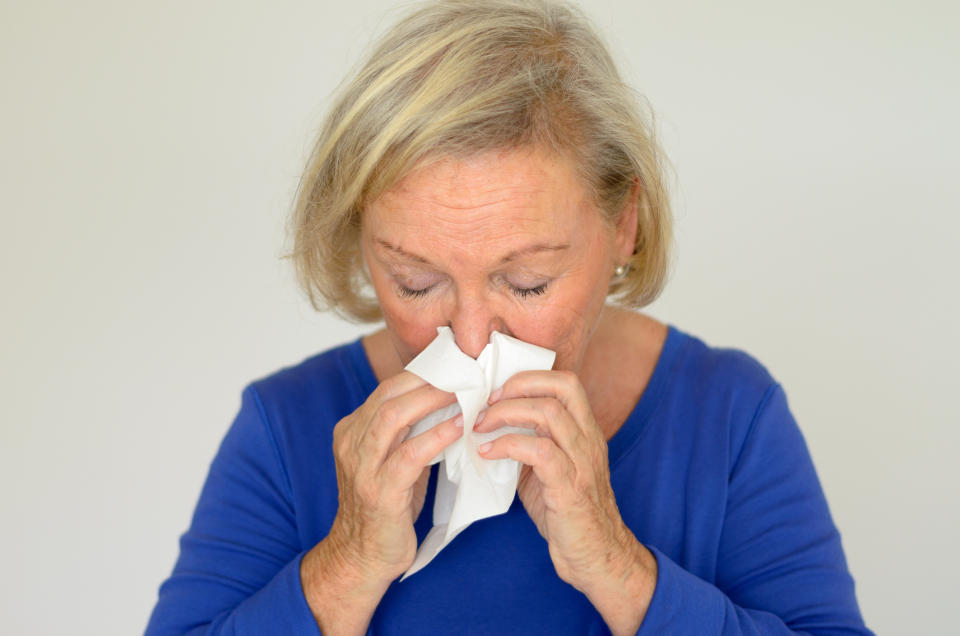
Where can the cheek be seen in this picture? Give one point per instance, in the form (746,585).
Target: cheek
(569,344)
(411,331)
(570,322)
(561,326)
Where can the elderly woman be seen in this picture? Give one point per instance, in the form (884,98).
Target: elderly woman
(488,171)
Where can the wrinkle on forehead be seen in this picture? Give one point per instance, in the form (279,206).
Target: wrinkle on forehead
(516,178)
(474,211)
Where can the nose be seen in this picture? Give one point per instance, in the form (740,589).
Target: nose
(472,323)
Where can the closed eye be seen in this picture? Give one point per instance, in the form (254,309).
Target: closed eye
(525,292)
(522,292)
(413,293)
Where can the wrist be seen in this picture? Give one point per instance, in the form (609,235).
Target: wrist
(341,591)
(623,591)
(354,562)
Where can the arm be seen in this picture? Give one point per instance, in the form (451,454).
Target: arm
(242,569)
(781,567)
(238,571)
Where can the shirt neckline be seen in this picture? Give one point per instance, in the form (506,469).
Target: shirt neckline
(622,440)
(650,399)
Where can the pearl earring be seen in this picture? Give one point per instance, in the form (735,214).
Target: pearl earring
(622,270)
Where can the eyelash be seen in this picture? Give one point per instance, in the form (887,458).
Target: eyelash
(522,292)
(409,293)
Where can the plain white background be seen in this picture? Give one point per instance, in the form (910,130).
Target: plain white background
(150,152)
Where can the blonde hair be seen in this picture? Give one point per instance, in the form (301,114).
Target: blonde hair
(459,77)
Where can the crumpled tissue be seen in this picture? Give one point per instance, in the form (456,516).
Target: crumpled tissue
(470,487)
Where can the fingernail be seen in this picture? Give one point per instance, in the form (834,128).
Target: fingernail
(459,421)
(485,447)
(495,395)
(479,419)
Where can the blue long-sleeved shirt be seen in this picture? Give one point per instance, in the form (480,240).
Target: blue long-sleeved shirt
(710,472)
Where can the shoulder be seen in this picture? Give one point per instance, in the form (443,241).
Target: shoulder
(727,368)
(322,387)
(720,391)
(280,440)
(686,361)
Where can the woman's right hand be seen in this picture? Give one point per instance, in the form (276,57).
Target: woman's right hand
(382,480)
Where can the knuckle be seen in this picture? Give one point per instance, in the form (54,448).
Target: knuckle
(569,378)
(408,453)
(339,448)
(344,425)
(438,433)
(379,394)
(543,448)
(389,414)
(341,442)
(552,408)
(384,391)
(395,385)
(573,388)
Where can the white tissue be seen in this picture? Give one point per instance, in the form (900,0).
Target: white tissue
(470,487)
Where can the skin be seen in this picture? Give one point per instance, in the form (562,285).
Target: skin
(507,241)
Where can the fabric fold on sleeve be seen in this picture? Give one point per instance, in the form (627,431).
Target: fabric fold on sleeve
(684,604)
(278,608)
(238,571)
(782,567)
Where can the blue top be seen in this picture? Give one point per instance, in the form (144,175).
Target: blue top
(710,472)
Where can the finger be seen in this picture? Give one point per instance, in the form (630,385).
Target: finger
(393,418)
(398,384)
(551,466)
(546,416)
(562,385)
(405,464)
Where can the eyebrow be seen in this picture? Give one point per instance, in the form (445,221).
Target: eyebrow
(530,249)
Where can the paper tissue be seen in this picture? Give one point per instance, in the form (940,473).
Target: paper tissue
(470,487)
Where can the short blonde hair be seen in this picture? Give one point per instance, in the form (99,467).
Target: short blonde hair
(458,77)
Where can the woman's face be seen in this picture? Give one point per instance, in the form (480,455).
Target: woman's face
(507,241)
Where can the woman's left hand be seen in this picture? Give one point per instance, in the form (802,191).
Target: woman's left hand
(565,487)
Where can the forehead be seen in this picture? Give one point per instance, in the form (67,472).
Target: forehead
(507,185)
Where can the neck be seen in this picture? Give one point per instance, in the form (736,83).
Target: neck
(618,364)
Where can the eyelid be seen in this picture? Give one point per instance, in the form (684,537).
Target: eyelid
(418,282)
(526,292)
(413,293)
(517,290)
(525,279)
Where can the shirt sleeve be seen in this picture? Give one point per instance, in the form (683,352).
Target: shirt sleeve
(238,571)
(781,567)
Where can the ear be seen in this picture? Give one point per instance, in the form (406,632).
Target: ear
(626,230)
